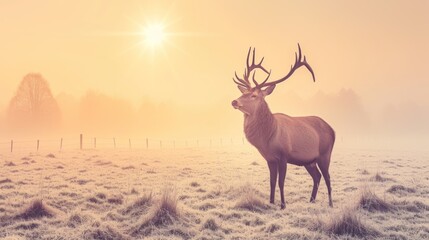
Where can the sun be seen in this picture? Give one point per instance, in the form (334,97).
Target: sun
(154,35)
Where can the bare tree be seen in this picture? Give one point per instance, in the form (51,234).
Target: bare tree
(33,104)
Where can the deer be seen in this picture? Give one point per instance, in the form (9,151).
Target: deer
(281,139)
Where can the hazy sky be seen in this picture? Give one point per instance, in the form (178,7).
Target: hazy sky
(378,48)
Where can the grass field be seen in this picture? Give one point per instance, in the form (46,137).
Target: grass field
(209,193)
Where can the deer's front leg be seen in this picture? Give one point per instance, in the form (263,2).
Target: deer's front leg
(273,178)
(282,175)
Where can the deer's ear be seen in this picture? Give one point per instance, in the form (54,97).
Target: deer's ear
(242,89)
(268,90)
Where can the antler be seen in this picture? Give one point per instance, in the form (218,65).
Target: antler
(249,68)
(299,62)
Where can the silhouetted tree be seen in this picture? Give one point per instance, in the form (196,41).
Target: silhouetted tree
(101,113)
(33,104)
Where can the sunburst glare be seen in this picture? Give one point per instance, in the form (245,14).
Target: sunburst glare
(154,35)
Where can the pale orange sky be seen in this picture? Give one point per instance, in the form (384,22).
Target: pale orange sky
(379,49)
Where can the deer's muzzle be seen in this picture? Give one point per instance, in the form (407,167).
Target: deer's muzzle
(235,104)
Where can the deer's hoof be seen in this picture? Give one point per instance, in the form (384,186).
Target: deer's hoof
(272,201)
(282,206)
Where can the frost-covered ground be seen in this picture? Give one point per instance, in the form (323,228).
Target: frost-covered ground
(208,193)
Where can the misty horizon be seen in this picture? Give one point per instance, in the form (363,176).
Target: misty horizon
(97,113)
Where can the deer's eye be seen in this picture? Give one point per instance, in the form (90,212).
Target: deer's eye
(253,96)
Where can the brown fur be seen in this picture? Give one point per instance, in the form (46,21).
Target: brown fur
(281,139)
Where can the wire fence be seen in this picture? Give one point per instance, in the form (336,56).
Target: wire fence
(84,142)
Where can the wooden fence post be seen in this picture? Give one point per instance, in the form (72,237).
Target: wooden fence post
(61,144)
(37,144)
(129,142)
(11,145)
(95,142)
(81,141)
(114,142)
(160,143)
(147,143)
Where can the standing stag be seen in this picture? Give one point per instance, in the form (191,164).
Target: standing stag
(282,139)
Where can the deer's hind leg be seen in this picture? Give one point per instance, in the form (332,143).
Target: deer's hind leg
(315,174)
(324,168)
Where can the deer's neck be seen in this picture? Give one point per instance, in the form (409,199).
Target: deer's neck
(259,127)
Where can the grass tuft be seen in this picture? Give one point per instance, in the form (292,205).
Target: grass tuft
(163,213)
(139,205)
(94,200)
(103,233)
(273,228)
(128,167)
(349,223)
(415,206)
(206,206)
(10,164)
(250,200)
(101,195)
(400,190)
(378,178)
(37,209)
(134,191)
(116,199)
(210,224)
(77,219)
(372,203)
(195,184)
(6,180)
(27,226)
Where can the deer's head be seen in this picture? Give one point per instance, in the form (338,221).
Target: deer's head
(253,98)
